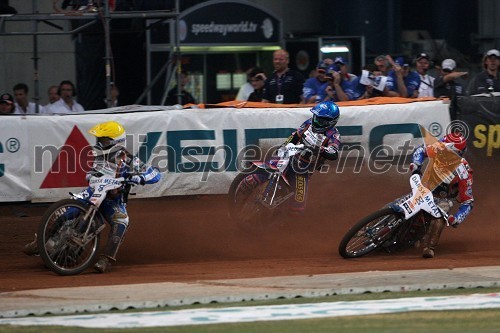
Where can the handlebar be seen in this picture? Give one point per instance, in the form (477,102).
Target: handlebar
(127,186)
(129,183)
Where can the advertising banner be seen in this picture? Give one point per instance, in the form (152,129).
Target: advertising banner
(14,160)
(198,151)
(210,23)
(481,122)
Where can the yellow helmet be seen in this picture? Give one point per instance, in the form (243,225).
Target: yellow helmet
(109,134)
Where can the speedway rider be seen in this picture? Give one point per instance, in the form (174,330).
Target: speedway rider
(453,184)
(112,159)
(323,121)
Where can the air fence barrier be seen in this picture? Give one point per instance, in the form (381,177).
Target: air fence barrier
(198,151)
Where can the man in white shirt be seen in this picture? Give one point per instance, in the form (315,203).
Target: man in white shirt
(422,64)
(246,89)
(66,103)
(53,95)
(23,105)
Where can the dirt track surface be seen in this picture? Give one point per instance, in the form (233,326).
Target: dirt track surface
(192,238)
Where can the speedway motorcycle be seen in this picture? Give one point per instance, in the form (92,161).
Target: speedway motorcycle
(69,234)
(398,226)
(256,209)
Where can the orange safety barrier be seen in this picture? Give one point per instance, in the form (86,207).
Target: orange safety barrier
(260,105)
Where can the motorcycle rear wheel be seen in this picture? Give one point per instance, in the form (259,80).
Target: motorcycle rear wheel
(245,206)
(370,233)
(56,238)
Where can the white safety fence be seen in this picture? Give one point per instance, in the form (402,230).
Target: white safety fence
(263,313)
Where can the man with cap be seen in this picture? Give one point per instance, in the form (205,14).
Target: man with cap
(344,69)
(339,88)
(422,64)
(315,85)
(488,80)
(7,104)
(449,83)
(257,80)
(401,81)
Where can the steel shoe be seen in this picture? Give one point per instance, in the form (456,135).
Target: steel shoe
(428,253)
(31,249)
(102,265)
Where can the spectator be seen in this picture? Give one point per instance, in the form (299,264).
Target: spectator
(246,89)
(66,103)
(449,83)
(23,105)
(114,93)
(366,89)
(186,97)
(344,69)
(488,80)
(401,81)
(257,79)
(382,64)
(315,86)
(7,104)
(285,84)
(422,64)
(53,95)
(339,87)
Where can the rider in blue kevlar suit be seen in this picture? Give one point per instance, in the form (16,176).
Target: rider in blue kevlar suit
(112,159)
(323,121)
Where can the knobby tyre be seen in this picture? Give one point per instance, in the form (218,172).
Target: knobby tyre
(58,234)
(370,233)
(244,204)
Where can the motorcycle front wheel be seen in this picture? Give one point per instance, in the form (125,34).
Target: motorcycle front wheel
(60,238)
(245,203)
(370,233)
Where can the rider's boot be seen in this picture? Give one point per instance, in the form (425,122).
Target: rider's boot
(431,239)
(31,249)
(103,264)
(115,239)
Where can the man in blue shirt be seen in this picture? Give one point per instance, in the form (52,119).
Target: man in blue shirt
(314,86)
(401,81)
(362,89)
(339,87)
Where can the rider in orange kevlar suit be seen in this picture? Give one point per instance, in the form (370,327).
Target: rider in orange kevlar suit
(452,184)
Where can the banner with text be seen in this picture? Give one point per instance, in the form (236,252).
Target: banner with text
(197,151)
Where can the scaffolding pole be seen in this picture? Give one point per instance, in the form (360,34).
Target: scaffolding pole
(49,19)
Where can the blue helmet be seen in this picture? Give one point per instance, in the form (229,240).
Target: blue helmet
(325,116)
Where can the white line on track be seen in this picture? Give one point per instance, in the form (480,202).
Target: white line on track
(264,313)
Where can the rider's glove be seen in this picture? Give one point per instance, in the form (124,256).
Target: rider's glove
(452,221)
(281,152)
(415,169)
(137,179)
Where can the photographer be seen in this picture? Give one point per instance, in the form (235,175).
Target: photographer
(339,88)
